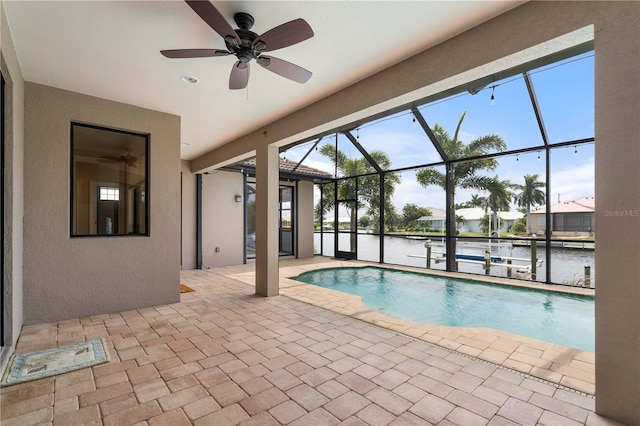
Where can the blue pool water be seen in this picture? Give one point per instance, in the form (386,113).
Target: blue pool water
(559,318)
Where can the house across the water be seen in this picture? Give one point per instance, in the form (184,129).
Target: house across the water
(568,218)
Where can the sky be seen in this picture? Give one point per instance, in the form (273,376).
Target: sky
(564,91)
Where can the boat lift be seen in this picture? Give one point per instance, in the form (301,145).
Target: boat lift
(485,259)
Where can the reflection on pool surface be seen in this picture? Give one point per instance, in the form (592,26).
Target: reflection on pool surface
(559,318)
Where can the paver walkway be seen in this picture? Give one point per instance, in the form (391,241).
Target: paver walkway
(224,356)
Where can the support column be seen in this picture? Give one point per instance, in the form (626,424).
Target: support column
(617,270)
(267,187)
(451,238)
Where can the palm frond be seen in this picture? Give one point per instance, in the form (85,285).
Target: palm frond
(486,144)
(455,135)
(429,177)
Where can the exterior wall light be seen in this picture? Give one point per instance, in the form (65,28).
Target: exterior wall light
(238,198)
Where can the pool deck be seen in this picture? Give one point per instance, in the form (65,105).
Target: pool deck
(310,356)
(558,364)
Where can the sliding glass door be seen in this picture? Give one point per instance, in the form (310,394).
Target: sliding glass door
(286,219)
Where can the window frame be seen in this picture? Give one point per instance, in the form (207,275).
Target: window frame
(147,181)
(3,284)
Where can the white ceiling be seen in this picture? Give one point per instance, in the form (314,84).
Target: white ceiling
(110,49)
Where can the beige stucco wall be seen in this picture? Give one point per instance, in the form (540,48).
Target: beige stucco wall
(222,219)
(188,217)
(507,40)
(74,277)
(305,219)
(14,187)
(617,155)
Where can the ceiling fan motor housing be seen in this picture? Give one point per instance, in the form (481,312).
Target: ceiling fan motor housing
(246,37)
(246,51)
(243,20)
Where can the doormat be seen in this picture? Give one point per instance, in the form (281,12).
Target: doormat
(50,362)
(185,289)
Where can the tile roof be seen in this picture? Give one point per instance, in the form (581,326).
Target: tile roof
(287,166)
(581,205)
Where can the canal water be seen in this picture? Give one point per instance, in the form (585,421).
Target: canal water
(567,264)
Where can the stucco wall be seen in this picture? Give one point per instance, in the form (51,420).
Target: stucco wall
(222,219)
(73,277)
(14,188)
(617,213)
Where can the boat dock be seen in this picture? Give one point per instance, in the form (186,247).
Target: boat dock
(576,245)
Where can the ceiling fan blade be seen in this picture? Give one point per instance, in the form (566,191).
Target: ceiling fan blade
(193,53)
(213,18)
(285,69)
(239,77)
(109,159)
(284,35)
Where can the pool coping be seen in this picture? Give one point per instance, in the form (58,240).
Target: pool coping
(561,365)
(510,282)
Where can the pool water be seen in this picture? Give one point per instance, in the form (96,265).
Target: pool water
(559,318)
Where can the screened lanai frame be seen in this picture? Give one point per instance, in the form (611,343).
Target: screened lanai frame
(544,149)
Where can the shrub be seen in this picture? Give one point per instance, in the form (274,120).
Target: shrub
(518,228)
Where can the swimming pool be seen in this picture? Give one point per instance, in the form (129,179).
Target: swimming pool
(559,318)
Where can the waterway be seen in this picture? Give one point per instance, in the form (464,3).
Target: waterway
(567,264)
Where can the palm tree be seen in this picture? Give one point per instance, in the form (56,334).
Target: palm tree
(530,195)
(368,186)
(462,175)
(476,201)
(499,198)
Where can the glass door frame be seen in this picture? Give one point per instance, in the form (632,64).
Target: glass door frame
(248,196)
(353,233)
(292,219)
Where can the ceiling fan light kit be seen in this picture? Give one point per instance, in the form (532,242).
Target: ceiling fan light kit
(246,45)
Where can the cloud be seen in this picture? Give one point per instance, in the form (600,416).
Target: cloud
(466,137)
(404,148)
(325,167)
(574,182)
(409,191)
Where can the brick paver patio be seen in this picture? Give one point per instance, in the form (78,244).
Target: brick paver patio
(223,356)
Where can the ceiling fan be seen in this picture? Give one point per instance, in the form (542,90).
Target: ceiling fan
(128,159)
(247,45)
